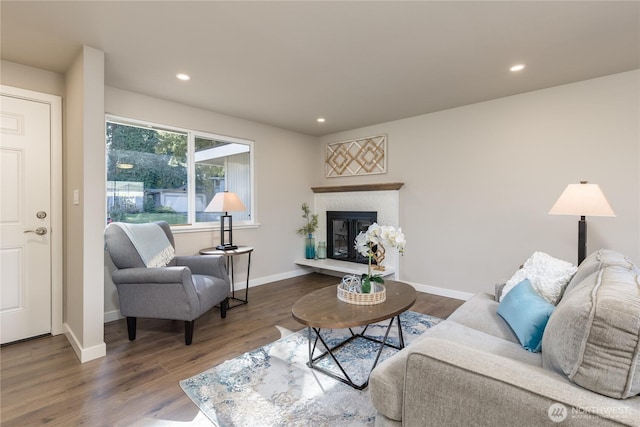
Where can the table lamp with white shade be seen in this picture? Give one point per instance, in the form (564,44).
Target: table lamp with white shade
(583,200)
(225,201)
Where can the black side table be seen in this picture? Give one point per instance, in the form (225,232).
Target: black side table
(229,254)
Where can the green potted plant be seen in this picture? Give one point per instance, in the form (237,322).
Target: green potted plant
(307,230)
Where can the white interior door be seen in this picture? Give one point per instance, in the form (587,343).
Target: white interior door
(25,219)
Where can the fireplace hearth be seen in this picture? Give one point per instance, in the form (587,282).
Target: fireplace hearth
(342,229)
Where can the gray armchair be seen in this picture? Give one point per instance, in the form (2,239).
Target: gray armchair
(184,289)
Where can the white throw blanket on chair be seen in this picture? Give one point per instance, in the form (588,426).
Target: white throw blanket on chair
(151,242)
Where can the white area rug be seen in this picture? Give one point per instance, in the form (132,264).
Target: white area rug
(272,385)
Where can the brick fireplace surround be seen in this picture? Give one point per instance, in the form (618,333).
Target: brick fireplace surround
(383,198)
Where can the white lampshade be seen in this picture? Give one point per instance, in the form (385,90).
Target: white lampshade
(582,199)
(225,201)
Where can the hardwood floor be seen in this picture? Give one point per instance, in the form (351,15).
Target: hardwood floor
(42,381)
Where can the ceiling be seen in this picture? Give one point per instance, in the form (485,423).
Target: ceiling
(354,63)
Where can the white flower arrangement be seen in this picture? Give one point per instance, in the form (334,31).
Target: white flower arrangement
(367,243)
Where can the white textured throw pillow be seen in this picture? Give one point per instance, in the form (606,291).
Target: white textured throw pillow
(548,276)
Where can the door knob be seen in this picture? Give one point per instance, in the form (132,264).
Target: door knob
(40,231)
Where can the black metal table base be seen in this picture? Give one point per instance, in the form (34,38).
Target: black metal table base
(236,302)
(233,300)
(345,378)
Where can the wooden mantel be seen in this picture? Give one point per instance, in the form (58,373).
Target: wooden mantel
(359,187)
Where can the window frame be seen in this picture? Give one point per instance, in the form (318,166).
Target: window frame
(192,225)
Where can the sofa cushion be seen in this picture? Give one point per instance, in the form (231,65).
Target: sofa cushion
(548,275)
(593,336)
(527,314)
(480,313)
(450,384)
(386,383)
(597,261)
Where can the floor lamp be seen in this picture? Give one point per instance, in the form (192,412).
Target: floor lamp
(226,202)
(583,200)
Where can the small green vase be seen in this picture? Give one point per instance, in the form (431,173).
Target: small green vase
(366,286)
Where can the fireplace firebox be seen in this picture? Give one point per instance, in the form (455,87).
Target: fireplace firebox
(342,229)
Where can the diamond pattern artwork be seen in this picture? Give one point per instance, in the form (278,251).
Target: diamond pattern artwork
(364,156)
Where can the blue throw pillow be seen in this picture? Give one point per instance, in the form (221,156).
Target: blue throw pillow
(527,314)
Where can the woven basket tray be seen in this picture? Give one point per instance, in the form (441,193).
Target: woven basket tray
(378,295)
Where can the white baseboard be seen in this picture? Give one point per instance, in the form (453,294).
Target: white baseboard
(84,354)
(274,278)
(443,292)
(110,316)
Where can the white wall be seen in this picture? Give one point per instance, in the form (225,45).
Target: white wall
(284,173)
(84,172)
(25,77)
(93,202)
(480,179)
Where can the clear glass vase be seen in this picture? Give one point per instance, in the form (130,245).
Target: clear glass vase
(321,253)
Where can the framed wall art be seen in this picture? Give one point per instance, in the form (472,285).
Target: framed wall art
(363,156)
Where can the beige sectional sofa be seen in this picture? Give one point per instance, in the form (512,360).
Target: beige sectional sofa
(472,370)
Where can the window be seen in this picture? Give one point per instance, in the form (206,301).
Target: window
(159,173)
(221,165)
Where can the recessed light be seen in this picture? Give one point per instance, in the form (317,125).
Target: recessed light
(182,76)
(320,120)
(517,67)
